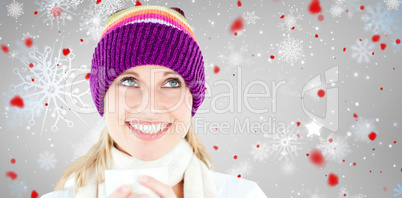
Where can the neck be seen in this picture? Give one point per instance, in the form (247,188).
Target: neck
(122,150)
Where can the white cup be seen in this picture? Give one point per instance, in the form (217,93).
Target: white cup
(114,179)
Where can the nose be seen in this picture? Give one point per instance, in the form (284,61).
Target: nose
(151,102)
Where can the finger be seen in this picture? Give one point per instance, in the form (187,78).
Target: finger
(124,191)
(157,186)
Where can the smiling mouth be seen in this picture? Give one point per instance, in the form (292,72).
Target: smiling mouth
(148,132)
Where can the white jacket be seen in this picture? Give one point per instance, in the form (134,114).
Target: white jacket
(227,186)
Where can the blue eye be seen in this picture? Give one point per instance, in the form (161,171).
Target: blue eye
(174,82)
(128,81)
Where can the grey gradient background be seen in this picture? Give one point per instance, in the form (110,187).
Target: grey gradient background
(280,165)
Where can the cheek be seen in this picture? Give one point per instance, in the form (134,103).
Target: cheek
(128,98)
(182,124)
(114,128)
(176,99)
(171,97)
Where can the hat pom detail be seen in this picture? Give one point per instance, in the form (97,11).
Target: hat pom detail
(178,10)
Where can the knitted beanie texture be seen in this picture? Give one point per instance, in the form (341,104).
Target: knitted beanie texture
(147,35)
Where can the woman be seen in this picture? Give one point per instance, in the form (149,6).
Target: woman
(147,81)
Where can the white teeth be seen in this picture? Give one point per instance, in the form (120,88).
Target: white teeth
(150,128)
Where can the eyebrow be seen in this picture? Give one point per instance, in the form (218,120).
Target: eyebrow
(164,73)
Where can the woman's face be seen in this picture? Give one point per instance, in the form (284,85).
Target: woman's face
(152,93)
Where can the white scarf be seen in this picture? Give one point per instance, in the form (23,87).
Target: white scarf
(182,164)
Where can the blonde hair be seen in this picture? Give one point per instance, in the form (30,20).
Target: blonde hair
(97,154)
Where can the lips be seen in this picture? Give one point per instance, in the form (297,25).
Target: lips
(146,136)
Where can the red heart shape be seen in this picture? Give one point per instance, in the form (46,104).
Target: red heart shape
(34,194)
(383,46)
(17,101)
(372,136)
(216,69)
(66,51)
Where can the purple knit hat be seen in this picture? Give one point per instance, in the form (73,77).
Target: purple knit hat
(147,35)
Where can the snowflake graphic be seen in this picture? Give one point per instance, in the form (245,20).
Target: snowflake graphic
(343,193)
(13,55)
(362,129)
(75,3)
(108,7)
(291,21)
(21,49)
(339,2)
(250,17)
(47,160)
(92,22)
(334,148)
(352,6)
(393,4)
(341,149)
(235,58)
(380,19)
(398,191)
(242,168)
(26,35)
(362,51)
(17,188)
(15,9)
(286,144)
(336,10)
(327,145)
(46,83)
(260,153)
(291,50)
(54,10)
